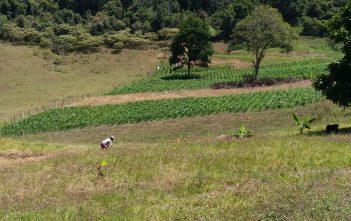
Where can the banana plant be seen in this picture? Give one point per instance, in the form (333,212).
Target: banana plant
(243,132)
(304,123)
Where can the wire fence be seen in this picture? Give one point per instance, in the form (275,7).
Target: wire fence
(55,104)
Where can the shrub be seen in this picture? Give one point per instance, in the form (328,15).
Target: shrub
(314,27)
(137,43)
(167,33)
(118,46)
(12,33)
(243,132)
(62,29)
(86,42)
(150,36)
(111,40)
(45,43)
(64,44)
(32,36)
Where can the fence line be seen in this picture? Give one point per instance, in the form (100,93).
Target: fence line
(55,104)
(61,103)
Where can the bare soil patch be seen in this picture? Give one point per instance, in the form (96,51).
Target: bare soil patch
(120,99)
(234,62)
(11,160)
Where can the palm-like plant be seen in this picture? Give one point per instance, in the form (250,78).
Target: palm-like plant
(305,123)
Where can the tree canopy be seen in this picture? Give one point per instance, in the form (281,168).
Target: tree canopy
(192,43)
(264,28)
(148,17)
(336,85)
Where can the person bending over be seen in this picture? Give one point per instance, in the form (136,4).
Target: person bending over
(107,143)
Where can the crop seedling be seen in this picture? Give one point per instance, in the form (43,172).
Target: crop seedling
(303,124)
(243,132)
(102,168)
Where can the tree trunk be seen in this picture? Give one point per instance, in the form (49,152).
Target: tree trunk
(189,68)
(257,64)
(257,69)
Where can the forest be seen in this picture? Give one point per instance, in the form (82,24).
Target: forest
(71,25)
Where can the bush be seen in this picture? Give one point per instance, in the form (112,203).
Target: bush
(12,33)
(137,43)
(62,29)
(314,27)
(64,44)
(118,46)
(150,36)
(111,40)
(86,43)
(45,43)
(167,33)
(32,36)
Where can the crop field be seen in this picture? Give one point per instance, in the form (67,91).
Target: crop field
(207,77)
(78,117)
(174,158)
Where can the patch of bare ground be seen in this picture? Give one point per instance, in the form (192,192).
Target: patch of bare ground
(234,62)
(120,99)
(19,158)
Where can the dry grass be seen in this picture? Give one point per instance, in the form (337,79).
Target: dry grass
(270,177)
(29,78)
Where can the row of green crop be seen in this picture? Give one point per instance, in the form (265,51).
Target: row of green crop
(78,117)
(206,77)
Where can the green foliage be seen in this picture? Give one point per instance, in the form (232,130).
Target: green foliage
(192,43)
(78,117)
(264,28)
(243,132)
(103,163)
(167,33)
(314,27)
(102,17)
(303,124)
(64,44)
(336,85)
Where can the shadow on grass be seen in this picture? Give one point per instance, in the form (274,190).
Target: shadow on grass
(181,77)
(341,131)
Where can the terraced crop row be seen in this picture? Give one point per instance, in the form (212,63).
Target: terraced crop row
(206,77)
(78,117)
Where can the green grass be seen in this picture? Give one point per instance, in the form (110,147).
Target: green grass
(78,117)
(284,177)
(306,48)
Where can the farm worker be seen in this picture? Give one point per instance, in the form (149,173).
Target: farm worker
(107,143)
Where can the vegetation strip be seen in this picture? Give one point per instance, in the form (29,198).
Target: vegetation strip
(206,77)
(78,117)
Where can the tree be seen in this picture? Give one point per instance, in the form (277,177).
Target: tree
(336,85)
(264,28)
(192,43)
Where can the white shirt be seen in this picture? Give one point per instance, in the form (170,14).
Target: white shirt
(107,141)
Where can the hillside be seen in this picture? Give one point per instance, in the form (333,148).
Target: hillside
(30,78)
(207,145)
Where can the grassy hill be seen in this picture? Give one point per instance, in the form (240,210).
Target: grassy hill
(30,77)
(168,162)
(187,175)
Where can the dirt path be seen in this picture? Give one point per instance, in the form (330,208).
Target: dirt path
(120,99)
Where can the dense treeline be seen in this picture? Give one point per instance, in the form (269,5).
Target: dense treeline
(66,25)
